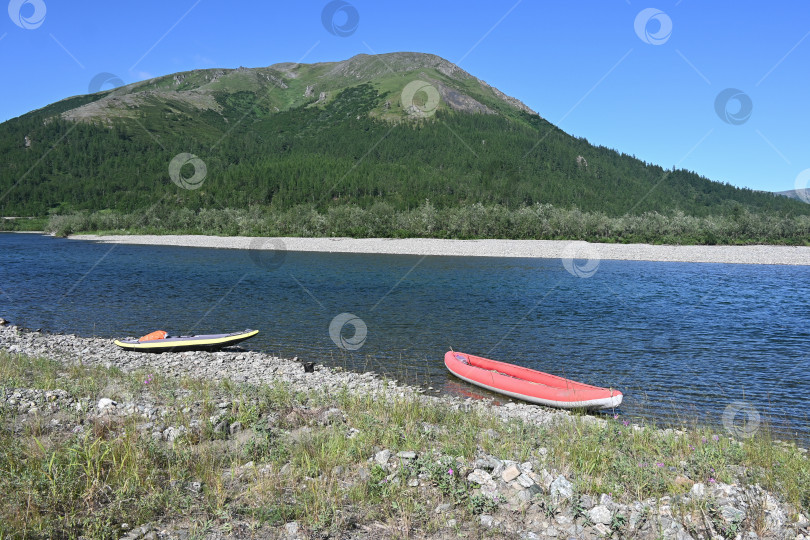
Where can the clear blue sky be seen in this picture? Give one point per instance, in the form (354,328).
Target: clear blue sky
(644,89)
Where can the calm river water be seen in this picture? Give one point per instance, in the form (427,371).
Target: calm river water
(683,341)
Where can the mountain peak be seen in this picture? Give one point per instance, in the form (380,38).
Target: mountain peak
(288,85)
(279,136)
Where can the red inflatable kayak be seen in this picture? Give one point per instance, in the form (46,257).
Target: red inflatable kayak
(530,385)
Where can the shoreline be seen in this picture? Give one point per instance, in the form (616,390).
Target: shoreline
(511,471)
(543,249)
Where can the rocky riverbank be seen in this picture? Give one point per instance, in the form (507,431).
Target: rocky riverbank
(545,249)
(249,445)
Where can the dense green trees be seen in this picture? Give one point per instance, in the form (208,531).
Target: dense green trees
(539,221)
(338,161)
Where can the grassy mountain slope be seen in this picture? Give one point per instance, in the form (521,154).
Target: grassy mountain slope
(799,194)
(331,134)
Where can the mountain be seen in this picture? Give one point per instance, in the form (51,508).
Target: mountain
(286,86)
(400,128)
(799,194)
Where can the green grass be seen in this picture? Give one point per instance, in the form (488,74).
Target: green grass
(63,484)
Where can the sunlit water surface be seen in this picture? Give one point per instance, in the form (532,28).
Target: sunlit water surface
(683,341)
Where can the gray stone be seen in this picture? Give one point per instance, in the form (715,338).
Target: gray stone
(172,433)
(136,533)
(525,481)
(563,520)
(235,428)
(561,488)
(487,520)
(731,514)
(487,463)
(510,473)
(382,457)
(442,508)
(480,476)
(291,528)
(605,500)
(602,530)
(103,403)
(545,478)
(698,491)
(600,514)
(413,482)
(406,454)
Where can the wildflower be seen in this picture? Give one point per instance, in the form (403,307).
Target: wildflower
(148,379)
(716,438)
(712,480)
(450,472)
(691,447)
(625,422)
(659,464)
(704,440)
(615,416)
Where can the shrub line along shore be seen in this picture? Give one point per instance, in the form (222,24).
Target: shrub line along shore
(551,249)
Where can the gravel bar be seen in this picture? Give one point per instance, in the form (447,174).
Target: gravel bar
(544,249)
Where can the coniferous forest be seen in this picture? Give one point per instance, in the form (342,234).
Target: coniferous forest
(339,168)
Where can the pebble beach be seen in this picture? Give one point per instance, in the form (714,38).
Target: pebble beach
(548,249)
(533,499)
